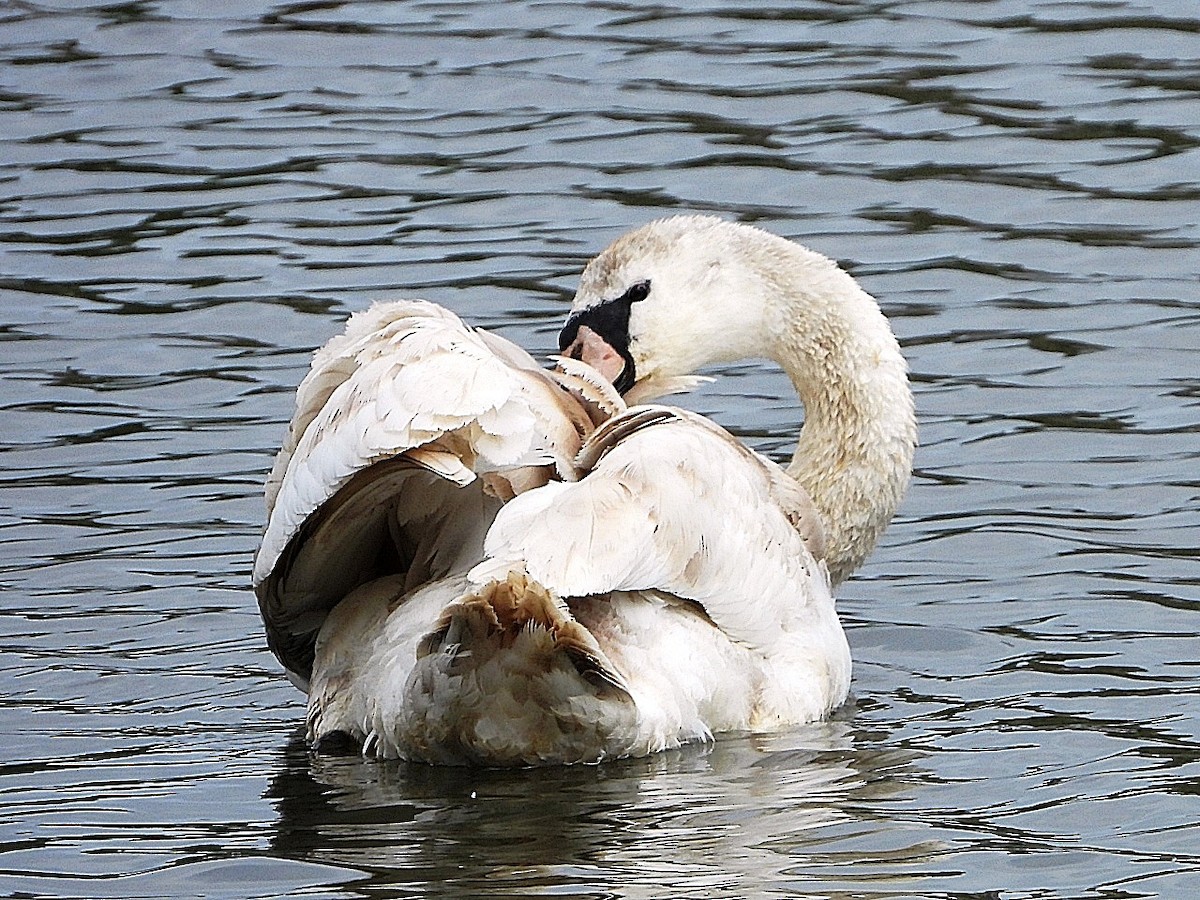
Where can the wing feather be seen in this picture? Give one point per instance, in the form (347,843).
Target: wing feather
(671,502)
(394,423)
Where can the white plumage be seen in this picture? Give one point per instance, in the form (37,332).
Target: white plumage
(469,559)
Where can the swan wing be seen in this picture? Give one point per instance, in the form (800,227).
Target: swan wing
(669,501)
(410,431)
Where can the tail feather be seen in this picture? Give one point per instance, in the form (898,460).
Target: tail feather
(508,675)
(491,619)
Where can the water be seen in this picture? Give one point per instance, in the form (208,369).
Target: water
(193,195)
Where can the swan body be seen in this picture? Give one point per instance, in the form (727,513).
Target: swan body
(470,559)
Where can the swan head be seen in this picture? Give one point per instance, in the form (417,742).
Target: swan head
(668,298)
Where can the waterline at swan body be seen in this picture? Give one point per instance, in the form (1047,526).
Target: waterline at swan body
(471,560)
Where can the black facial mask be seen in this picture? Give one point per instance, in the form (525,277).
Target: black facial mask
(610,320)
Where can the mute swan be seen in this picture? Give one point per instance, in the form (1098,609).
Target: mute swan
(469,559)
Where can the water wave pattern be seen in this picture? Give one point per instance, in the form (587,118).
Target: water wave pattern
(193,195)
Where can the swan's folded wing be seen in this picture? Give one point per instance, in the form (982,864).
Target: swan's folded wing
(407,399)
(670,502)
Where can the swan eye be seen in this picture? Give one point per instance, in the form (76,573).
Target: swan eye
(636,294)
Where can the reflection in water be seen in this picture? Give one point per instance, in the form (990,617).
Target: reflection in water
(675,819)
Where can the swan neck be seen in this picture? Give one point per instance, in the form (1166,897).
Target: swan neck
(855,449)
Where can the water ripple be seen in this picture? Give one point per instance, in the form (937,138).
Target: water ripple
(194,196)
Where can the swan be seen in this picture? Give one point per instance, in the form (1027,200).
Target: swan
(470,559)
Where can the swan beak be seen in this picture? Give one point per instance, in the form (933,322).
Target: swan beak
(592,349)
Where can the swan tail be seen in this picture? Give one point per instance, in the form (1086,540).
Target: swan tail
(509,676)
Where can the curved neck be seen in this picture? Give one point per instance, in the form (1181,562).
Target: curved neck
(855,450)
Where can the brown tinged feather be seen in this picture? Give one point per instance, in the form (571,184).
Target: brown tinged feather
(491,619)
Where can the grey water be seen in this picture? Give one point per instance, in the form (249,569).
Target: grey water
(194,195)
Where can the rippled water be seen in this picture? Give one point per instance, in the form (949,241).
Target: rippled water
(193,195)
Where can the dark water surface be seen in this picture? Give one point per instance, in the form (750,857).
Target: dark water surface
(193,195)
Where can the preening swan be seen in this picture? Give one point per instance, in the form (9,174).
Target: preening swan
(470,559)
